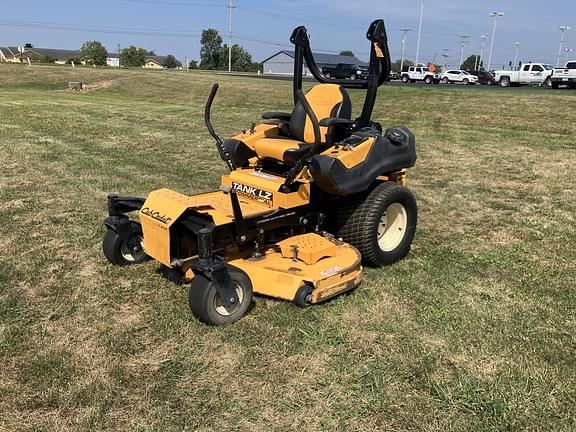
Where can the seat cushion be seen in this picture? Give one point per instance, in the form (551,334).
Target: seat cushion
(283,149)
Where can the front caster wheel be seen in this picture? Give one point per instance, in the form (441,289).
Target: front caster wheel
(207,306)
(122,253)
(303,296)
(381,224)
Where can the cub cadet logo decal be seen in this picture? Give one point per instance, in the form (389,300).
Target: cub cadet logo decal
(156,215)
(253,193)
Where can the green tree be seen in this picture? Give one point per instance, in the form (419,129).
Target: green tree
(211,49)
(133,57)
(347,53)
(396,65)
(241,59)
(171,62)
(93,53)
(76,60)
(193,64)
(28,45)
(470,62)
(47,59)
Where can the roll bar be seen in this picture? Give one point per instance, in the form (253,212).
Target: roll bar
(378,68)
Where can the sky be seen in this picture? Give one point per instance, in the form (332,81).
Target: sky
(264,27)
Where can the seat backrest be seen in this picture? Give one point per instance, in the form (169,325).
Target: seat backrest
(326,100)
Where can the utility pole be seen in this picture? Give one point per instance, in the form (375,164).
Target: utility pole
(494,15)
(419,32)
(463,42)
(230,7)
(404,31)
(515,64)
(563,30)
(478,64)
(446,56)
(118,46)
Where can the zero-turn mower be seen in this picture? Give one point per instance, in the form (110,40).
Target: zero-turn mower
(310,196)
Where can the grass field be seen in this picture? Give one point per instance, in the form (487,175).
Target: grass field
(473,331)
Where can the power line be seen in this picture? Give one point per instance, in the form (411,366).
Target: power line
(175,3)
(98,29)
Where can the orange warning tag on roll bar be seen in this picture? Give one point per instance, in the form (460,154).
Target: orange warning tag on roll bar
(378,50)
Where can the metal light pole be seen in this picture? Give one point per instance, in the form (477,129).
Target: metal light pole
(230,7)
(494,15)
(446,56)
(404,31)
(419,32)
(517,44)
(563,30)
(463,43)
(478,62)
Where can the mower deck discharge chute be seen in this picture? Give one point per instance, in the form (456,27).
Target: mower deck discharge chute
(293,180)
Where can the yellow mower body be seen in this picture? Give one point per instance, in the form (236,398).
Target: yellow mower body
(326,264)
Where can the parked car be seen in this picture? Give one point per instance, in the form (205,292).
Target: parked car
(529,74)
(458,76)
(484,77)
(343,71)
(564,76)
(419,73)
(362,72)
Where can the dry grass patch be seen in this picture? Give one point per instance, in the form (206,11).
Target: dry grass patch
(473,331)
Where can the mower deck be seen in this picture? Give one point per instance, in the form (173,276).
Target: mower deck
(328,266)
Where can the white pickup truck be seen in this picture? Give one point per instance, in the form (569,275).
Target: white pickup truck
(564,76)
(529,74)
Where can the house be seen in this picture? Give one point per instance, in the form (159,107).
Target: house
(47,55)
(113,60)
(154,62)
(8,55)
(283,62)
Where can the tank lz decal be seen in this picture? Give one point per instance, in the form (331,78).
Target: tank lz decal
(156,215)
(253,193)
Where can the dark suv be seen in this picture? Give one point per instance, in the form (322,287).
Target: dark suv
(484,77)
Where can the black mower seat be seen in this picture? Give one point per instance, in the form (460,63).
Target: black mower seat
(327,101)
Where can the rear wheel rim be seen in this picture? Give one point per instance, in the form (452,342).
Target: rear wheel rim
(132,256)
(392,227)
(219,305)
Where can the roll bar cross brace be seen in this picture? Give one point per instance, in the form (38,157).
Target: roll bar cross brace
(378,69)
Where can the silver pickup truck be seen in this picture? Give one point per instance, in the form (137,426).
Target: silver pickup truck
(564,76)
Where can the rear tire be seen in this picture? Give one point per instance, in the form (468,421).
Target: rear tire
(465,81)
(118,253)
(380,224)
(446,81)
(206,305)
(428,80)
(505,82)
(405,79)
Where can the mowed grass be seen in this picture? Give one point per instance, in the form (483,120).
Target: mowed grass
(473,331)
